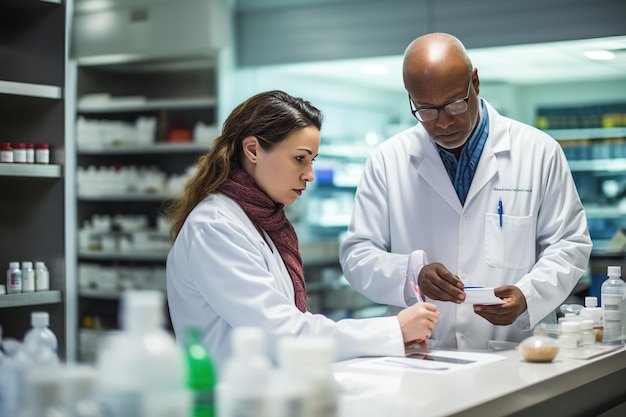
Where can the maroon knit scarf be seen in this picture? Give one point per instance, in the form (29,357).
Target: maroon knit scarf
(270,217)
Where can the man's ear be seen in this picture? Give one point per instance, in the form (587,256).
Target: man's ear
(250,145)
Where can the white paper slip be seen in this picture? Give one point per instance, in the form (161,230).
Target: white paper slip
(481,295)
(433,361)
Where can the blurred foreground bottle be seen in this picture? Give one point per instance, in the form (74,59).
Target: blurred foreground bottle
(141,371)
(201,375)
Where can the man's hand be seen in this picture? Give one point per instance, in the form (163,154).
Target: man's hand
(437,283)
(503,314)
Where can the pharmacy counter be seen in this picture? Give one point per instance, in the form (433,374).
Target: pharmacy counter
(507,387)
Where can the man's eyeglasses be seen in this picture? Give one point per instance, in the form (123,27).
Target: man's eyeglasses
(428,114)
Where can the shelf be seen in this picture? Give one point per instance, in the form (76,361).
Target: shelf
(100,294)
(344,151)
(30,170)
(131,197)
(156,148)
(122,256)
(30,299)
(141,104)
(31,90)
(588,133)
(618,164)
(603,212)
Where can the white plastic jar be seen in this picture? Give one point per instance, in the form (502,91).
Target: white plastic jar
(42,153)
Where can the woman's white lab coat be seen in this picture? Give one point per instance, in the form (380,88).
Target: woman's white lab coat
(406,202)
(222,274)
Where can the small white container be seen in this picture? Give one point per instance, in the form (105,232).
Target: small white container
(6,153)
(42,153)
(19,153)
(570,335)
(42,277)
(588,336)
(28,277)
(14,278)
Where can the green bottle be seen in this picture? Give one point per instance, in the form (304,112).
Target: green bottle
(202,378)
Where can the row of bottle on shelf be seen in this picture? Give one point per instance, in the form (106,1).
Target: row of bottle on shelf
(141,371)
(26,278)
(124,233)
(24,153)
(117,278)
(128,180)
(576,117)
(585,149)
(102,133)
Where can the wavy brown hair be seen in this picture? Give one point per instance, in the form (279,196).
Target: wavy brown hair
(270,115)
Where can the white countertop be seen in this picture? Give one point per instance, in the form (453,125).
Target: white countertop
(500,388)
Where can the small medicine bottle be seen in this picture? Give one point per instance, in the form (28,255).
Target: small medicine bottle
(6,152)
(42,277)
(30,153)
(14,278)
(42,153)
(570,335)
(28,277)
(19,153)
(588,336)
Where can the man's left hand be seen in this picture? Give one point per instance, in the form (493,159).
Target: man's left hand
(503,314)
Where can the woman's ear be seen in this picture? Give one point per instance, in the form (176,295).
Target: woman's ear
(250,145)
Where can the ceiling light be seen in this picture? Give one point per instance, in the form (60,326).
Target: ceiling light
(374,69)
(600,55)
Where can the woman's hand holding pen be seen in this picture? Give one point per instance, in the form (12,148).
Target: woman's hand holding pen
(417,323)
(438,283)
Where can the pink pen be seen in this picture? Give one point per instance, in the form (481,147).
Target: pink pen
(417,292)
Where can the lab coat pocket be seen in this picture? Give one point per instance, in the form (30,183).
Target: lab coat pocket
(509,246)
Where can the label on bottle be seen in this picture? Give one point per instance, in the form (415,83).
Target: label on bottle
(14,281)
(613,316)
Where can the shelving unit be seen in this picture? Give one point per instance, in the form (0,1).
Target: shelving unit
(141,102)
(32,110)
(597,158)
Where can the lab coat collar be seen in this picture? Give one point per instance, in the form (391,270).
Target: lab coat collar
(427,161)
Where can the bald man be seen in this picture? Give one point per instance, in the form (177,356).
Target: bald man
(465,198)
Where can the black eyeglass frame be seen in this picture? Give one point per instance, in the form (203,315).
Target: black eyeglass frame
(452,111)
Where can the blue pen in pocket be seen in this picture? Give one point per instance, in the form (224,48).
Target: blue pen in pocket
(500,211)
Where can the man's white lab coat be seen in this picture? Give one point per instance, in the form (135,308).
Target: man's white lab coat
(406,202)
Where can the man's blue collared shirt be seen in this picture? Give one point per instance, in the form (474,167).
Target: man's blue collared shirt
(462,172)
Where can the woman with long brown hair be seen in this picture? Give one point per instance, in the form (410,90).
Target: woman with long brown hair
(235,259)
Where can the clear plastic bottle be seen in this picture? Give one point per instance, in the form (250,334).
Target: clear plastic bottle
(613,306)
(28,277)
(14,278)
(40,333)
(44,395)
(77,391)
(202,377)
(141,371)
(242,391)
(42,277)
(309,360)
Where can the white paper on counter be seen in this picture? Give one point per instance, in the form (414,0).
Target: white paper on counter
(481,295)
(432,361)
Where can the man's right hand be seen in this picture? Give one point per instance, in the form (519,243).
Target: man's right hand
(437,283)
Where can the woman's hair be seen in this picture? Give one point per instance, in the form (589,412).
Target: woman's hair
(270,116)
